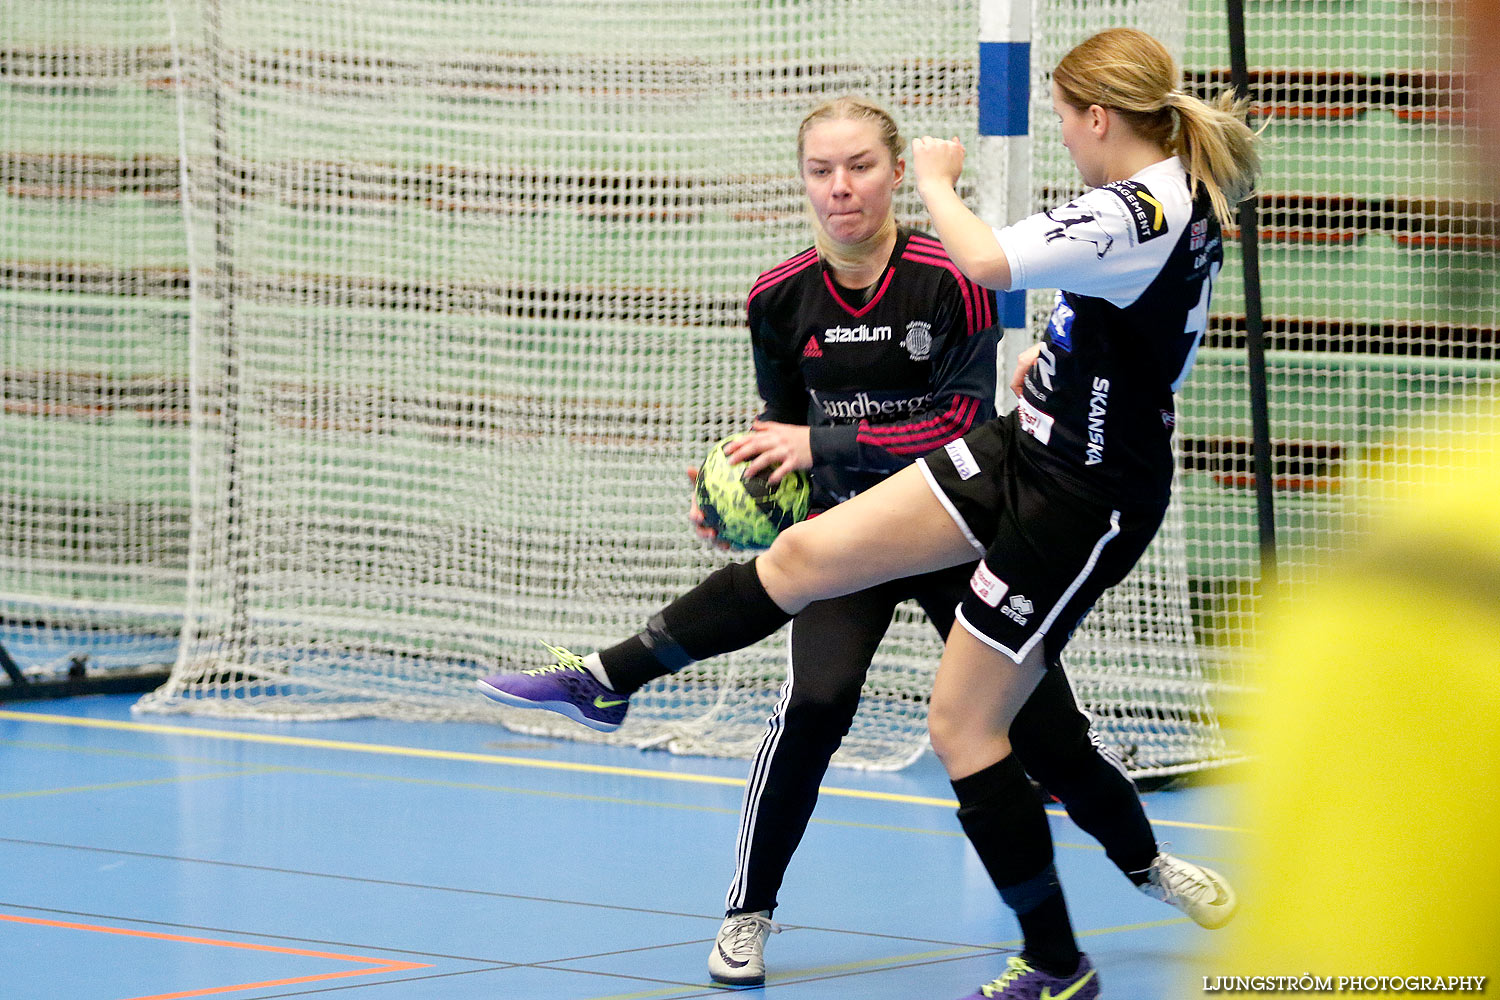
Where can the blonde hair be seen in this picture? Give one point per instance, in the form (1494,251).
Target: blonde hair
(1131,72)
(851,108)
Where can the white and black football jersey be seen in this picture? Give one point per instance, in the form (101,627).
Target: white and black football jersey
(882,376)
(1134,262)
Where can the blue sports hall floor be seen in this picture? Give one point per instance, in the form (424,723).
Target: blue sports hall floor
(153,857)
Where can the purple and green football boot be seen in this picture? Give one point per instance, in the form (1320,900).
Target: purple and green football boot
(1021,981)
(564,686)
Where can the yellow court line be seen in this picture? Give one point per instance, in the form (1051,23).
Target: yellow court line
(142,783)
(818,972)
(484,758)
(464,785)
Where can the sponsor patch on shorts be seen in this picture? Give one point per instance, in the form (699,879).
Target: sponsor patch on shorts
(1035,422)
(988,587)
(962,458)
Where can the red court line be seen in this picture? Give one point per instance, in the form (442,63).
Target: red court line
(377,964)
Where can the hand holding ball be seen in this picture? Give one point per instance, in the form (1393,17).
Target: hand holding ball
(748,512)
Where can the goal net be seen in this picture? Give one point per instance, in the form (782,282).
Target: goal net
(366,344)
(94,505)
(469,299)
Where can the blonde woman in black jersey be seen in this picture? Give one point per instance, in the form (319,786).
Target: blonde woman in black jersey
(1059,498)
(871,349)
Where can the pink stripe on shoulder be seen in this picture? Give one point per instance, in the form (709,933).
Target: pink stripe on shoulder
(783,271)
(971,310)
(984,301)
(929,244)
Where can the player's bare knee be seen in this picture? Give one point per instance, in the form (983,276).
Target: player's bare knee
(965,755)
(790,570)
(942,733)
(952,728)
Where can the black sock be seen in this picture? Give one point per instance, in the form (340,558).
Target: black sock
(1003,817)
(1058,748)
(1050,945)
(729,610)
(1105,805)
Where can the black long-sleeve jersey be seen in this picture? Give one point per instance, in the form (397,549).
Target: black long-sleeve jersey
(880,381)
(1135,261)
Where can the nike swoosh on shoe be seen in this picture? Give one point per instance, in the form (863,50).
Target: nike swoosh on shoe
(1047,993)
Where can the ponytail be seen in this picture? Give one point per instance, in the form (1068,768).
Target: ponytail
(1218,148)
(1133,73)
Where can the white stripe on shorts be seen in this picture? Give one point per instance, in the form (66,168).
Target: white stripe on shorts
(937,491)
(1088,567)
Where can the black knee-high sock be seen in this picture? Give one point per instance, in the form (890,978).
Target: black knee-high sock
(729,610)
(1003,817)
(1104,804)
(1055,744)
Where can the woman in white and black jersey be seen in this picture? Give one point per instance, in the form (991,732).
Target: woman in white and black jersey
(1058,499)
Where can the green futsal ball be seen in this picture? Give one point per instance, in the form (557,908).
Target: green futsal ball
(748,512)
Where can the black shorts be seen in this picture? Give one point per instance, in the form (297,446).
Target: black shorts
(1048,553)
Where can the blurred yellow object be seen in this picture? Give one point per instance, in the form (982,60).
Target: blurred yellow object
(1376,796)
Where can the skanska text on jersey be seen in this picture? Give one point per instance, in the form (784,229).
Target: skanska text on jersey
(1098,408)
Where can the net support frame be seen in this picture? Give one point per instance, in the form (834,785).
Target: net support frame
(1255,327)
(1003,161)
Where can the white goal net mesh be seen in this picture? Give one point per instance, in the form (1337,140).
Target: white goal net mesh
(469,300)
(94,507)
(356,347)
